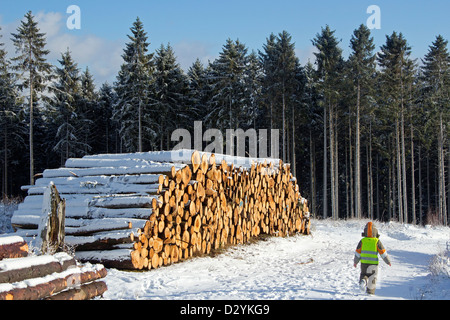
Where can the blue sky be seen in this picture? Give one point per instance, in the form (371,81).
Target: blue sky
(199,28)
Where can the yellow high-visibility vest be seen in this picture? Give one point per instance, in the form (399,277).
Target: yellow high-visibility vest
(369,251)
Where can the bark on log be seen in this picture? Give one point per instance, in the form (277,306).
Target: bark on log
(93,226)
(14,274)
(101,240)
(85,292)
(13,247)
(117,258)
(57,283)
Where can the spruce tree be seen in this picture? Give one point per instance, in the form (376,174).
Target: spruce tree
(10,128)
(362,69)
(106,130)
(329,63)
(436,79)
(87,110)
(198,90)
(66,90)
(269,92)
(254,78)
(227,80)
(285,75)
(170,103)
(397,74)
(34,71)
(313,118)
(133,86)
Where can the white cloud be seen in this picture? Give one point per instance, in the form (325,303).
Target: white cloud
(306,54)
(188,51)
(103,57)
(49,23)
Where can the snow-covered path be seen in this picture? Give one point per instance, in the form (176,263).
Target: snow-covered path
(299,267)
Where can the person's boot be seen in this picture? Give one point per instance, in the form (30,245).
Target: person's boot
(371,291)
(363,285)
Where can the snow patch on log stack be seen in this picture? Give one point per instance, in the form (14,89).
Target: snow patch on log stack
(114,200)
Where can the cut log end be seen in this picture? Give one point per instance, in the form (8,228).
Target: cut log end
(195,161)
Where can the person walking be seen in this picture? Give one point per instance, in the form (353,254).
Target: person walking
(367,252)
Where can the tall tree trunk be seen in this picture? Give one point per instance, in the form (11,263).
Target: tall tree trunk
(448,197)
(5,165)
(140,126)
(31,131)
(403,153)
(352,194)
(371,179)
(358,157)
(420,186)
(336,166)
(440,170)
(369,212)
(413,180)
(394,186)
(332,159)
(325,156)
(428,182)
(67,142)
(271,116)
(288,141)
(284,123)
(399,171)
(294,171)
(436,188)
(369,175)
(442,197)
(271,125)
(312,164)
(107,136)
(378,189)
(347,184)
(390,190)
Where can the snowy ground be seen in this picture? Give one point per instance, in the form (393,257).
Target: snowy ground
(301,267)
(318,267)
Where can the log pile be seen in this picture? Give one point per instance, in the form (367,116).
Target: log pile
(209,205)
(145,210)
(52,277)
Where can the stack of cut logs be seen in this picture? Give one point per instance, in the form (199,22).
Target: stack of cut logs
(51,277)
(209,205)
(143,210)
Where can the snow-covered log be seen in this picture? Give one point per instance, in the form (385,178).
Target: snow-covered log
(124,201)
(144,168)
(101,240)
(119,258)
(52,285)
(86,227)
(84,292)
(19,269)
(13,247)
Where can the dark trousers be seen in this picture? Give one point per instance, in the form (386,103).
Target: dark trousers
(369,272)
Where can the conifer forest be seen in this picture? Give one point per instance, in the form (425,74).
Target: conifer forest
(366,136)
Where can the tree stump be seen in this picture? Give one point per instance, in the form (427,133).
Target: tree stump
(51,227)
